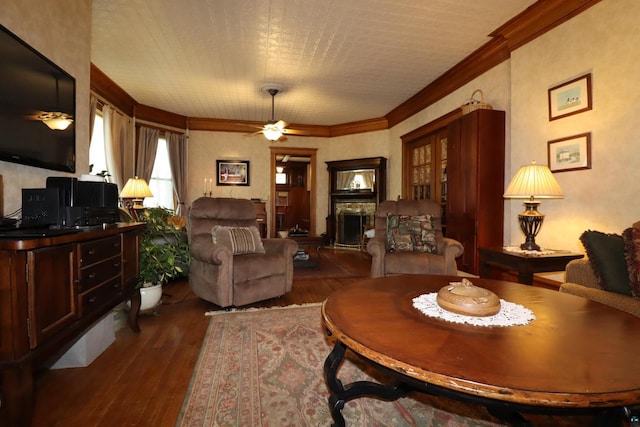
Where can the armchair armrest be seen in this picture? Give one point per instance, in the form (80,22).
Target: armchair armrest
(288,247)
(206,251)
(580,271)
(612,299)
(450,247)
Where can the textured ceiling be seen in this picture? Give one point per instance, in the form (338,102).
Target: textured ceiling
(339,60)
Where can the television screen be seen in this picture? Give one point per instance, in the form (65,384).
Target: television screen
(33,92)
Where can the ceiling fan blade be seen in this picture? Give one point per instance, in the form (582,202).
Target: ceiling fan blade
(281,124)
(254,133)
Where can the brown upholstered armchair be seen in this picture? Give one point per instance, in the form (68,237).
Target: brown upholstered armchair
(383,262)
(230,264)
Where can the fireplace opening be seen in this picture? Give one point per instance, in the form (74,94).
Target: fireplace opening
(352,217)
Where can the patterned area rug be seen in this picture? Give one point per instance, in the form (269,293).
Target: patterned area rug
(265,368)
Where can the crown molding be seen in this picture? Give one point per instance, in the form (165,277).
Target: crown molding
(107,89)
(533,22)
(361,126)
(156,115)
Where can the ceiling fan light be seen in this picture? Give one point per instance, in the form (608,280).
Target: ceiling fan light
(272,133)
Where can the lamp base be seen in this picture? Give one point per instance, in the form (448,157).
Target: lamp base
(530,246)
(530,223)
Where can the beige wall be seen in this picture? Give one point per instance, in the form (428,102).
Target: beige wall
(61,31)
(207,147)
(604,41)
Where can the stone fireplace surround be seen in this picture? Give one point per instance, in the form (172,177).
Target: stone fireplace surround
(351,219)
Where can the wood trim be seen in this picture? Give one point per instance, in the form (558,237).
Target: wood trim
(479,62)
(536,20)
(539,18)
(224,125)
(156,115)
(361,126)
(432,126)
(106,88)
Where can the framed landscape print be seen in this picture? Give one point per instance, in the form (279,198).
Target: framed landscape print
(569,154)
(569,98)
(232,172)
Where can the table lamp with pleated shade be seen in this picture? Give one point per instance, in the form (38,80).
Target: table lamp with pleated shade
(532,182)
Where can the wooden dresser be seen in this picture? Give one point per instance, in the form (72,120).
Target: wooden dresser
(52,290)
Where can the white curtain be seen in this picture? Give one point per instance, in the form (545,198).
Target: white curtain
(115,143)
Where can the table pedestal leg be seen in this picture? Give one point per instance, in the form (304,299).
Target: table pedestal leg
(342,394)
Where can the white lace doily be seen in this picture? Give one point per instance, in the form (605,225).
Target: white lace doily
(518,250)
(510,314)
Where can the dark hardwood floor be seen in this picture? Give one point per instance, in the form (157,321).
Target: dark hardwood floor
(141,379)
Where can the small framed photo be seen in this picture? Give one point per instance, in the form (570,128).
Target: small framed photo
(232,172)
(570,154)
(569,98)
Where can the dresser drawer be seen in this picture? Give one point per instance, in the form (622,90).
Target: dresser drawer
(98,297)
(95,274)
(98,250)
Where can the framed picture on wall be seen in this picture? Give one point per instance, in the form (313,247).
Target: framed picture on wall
(232,172)
(569,98)
(570,153)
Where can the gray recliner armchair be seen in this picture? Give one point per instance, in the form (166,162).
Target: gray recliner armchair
(385,262)
(230,264)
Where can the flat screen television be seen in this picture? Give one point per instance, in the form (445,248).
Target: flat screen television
(32,88)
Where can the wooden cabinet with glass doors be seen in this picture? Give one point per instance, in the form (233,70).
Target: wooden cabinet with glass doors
(426,160)
(458,160)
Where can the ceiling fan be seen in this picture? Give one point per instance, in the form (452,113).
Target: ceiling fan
(275,130)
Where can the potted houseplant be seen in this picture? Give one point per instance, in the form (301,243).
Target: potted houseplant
(164,254)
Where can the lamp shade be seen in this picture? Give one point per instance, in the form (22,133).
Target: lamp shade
(136,188)
(533,182)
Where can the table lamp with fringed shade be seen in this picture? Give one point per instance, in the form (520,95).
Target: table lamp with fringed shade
(136,189)
(532,182)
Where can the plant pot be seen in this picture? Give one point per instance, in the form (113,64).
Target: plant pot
(150,297)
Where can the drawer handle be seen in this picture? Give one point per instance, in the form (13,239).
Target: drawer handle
(92,275)
(92,300)
(116,264)
(92,252)
(116,245)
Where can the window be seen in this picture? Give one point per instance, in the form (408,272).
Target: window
(161,183)
(97,155)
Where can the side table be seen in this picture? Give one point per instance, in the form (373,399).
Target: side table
(525,264)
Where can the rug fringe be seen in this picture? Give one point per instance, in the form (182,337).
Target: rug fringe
(244,310)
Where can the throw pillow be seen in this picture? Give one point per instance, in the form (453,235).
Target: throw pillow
(411,233)
(241,240)
(606,256)
(631,238)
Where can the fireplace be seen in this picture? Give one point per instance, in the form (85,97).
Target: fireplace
(351,219)
(355,188)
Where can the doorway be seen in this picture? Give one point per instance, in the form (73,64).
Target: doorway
(293,198)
